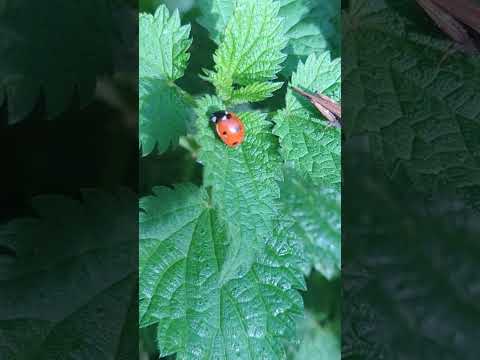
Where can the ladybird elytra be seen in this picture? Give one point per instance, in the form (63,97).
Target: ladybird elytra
(229,127)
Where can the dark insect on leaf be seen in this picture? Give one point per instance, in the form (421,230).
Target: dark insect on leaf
(327,106)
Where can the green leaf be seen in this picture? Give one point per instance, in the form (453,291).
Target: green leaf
(37,58)
(423,115)
(215,16)
(319,74)
(307,143)
(243,179)
(306,34)
(59,288)
(319,341)
(317,222)
(183,248)
(163,45)
(164,114)
(311,147)
(312,27)
(250,52)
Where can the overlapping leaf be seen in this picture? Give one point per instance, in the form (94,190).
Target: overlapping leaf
(54,57)
(58,287)
(243,179)
(316,211)
(215,16)
(312,27)
(164,111)
(164,114)
(309,144)
(183,250)
(319,341)
(250,53)
(163,45)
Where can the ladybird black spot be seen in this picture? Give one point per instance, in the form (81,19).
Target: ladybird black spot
(224,133)
(235,143)
(229,116)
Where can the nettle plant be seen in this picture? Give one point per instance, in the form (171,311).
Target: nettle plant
(222,264)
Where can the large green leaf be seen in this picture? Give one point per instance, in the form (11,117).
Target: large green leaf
(184,249)
(250,53)
(58,287)
(163,45)
(243,179)
(59,56)
(307,142)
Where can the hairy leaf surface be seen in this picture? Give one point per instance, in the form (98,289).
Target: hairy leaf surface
(309,144)
(183,249)
(316,212)
(250,52)
(163,45)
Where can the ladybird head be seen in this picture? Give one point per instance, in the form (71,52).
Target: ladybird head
(219,115)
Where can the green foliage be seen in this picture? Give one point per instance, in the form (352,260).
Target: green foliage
(316,211)
(183,251)
(221,264)
(243,179)
(57,287)
(164,111)
(311,145)
(320,341)
(29,52)
(422,117)
(249,55)
(312,27)
(164,114)
(163,45)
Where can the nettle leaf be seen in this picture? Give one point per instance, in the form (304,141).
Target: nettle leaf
(163,45)
(164,114)
(57,287)
(215,16)
(250,52)
(306,34)
(312,27)
(319,341)
(309,144)
(316,212)
(318,74)
(243,180)
(183,249)
(38,58)
(422,117)
(164,110)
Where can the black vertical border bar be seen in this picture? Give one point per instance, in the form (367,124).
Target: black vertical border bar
(69,179)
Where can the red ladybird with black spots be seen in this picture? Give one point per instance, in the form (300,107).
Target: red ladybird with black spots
(229,127)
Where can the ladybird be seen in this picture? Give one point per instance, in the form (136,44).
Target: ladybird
(229,127)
